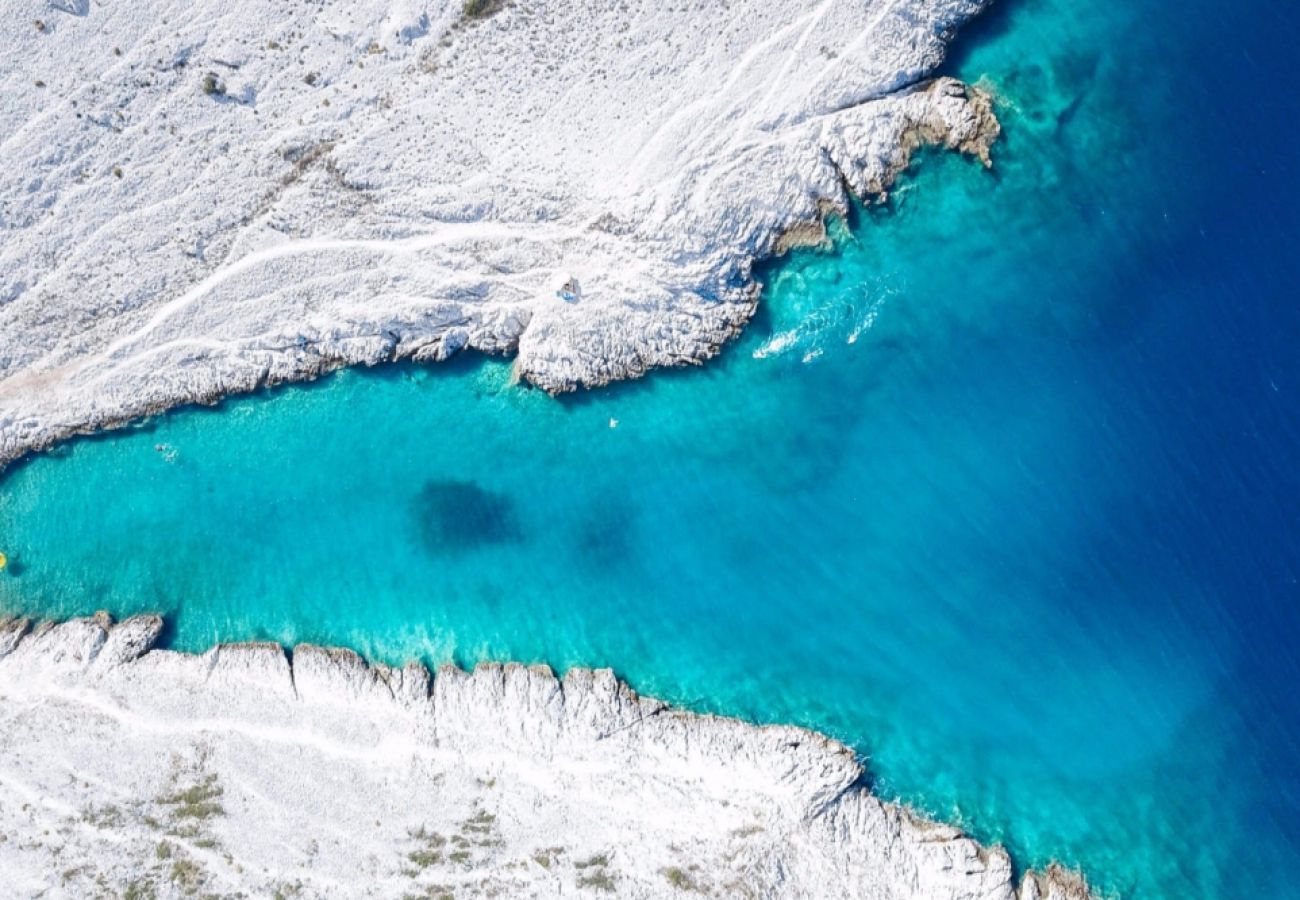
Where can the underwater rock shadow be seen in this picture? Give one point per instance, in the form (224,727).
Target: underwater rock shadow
(455,516)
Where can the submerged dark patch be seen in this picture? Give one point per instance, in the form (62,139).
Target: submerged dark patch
(603,539)
(454,516)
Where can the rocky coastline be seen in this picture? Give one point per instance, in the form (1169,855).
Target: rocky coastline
(243,199)
(138,771)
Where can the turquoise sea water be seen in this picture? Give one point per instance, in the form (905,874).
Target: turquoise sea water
(1004,491)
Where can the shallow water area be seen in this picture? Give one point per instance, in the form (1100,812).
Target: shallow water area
(1002,491)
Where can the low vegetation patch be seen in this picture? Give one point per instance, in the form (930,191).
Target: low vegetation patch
(547,856)
(197,801)
(430,850)
(187,876)
(191,803)
(212,85)
(140,889)
(108,816)
(425,858)
(598,880)
(481,823)
(681,880)
(481,9)
(288,890)
(433,892)
(593,874)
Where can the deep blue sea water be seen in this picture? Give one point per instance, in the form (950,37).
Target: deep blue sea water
(1005,491)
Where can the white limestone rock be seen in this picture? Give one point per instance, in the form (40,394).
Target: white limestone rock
(128,641)
(12,631)
(382,179)
(256,671)
(1054,883)
(251,770)
(323,675)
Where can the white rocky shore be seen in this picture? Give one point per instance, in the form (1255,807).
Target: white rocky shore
(198,197)
(132,771)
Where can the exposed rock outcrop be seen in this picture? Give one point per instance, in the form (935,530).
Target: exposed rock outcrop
(251,769)
(386,179)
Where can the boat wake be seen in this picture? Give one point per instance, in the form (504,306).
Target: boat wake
(842,319)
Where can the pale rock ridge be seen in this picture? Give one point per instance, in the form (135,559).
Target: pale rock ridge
(198,198)
(251,769)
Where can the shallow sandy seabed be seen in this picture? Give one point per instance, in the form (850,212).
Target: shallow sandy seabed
(197,198)
(250,769)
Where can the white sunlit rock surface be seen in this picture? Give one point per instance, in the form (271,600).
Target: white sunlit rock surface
(125,768)
(200,197)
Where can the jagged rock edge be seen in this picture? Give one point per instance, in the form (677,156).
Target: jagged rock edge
(139,636)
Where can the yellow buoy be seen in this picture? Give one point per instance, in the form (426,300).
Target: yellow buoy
(3,561)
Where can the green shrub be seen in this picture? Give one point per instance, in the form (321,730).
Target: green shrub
(213,86)
(140,889)
(425,858)
(680,879)
(599,880)
(481,9)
